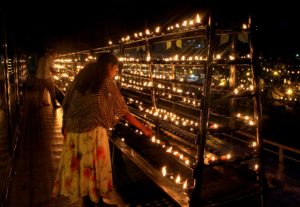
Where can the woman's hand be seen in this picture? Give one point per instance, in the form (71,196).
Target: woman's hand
(147,131)
(132,120)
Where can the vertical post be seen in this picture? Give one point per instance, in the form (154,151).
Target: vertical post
(280,174)
(148,53)
(173,84)
(153,98)
(257,107)
(204,117)
(121,66)
(16,74)
(7,88)
(232,82)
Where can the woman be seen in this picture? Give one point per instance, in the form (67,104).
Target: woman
(92,105)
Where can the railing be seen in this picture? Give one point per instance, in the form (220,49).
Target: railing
(281,149)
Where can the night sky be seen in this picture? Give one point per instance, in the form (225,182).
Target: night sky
(68,26)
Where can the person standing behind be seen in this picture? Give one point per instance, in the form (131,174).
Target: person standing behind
(45,79)
(2,85)
(91,106)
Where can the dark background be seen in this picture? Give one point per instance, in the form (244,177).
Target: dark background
(69,26)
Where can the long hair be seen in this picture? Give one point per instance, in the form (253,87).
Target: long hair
(90,79)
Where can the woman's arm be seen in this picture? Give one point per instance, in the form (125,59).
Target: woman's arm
(132,120)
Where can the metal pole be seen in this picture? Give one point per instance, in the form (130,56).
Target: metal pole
(7,89)
(148,51)
(232,81)
(204,117)
(257,108)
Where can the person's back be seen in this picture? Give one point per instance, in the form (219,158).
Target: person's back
(45,79)
(44,67)
(2,82)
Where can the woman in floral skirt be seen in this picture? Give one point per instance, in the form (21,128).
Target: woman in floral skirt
(92,104)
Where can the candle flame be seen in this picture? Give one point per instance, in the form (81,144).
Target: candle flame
(236,91)
(198,20)
(164,170)
(178,179)
(185,184)
(169,149)
(187,162)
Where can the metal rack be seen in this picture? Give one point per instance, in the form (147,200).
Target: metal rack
(202,96)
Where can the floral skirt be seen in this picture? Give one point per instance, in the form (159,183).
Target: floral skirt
(85,166)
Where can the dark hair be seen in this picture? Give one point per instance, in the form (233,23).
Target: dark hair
(93,75)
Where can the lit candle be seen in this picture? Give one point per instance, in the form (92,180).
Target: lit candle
(164,170)
(178,179)
(185,184)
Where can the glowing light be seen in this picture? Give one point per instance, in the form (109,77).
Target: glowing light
(254,144)
(110,42)
(198,19)
(256,167)
(178,179)
(187,162)
(215,126)
(244,26)
(289,91)
(236,91)
(176,57)
(164,170)
(185,184)
(169,150)
(157,30)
